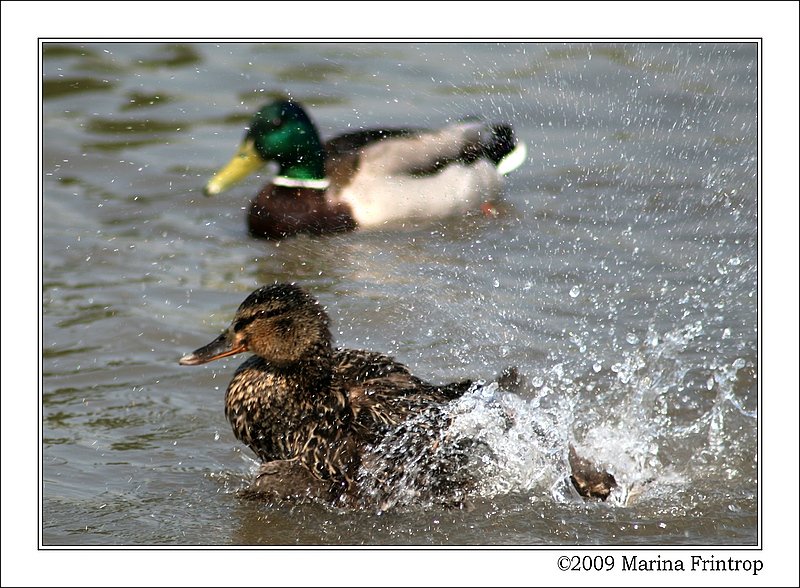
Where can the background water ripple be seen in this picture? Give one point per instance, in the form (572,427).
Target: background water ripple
(622,283)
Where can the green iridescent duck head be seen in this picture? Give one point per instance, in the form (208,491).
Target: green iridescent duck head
(280,132)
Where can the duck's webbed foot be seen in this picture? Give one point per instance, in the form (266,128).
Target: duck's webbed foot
(589,481)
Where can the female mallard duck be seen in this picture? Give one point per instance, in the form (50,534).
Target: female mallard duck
(367,178)
(311,412)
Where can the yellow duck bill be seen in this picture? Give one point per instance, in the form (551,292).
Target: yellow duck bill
(245,162)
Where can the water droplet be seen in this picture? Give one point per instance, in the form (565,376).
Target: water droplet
(538,382)
(575,292)
(726,334)
(632,338)
(739,363)
(710,383)
(496,283)
(597,367)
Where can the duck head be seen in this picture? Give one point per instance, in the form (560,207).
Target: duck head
(282,324)
(280,132)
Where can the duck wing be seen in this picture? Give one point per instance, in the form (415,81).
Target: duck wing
(383,392)
(343,153)
(428,152)
(418,152)
(354,142)
(589,480)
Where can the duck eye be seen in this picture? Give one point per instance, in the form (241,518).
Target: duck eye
(276,122)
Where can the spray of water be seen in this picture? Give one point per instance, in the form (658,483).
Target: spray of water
(628,420)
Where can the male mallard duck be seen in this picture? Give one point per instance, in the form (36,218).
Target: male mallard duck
(365,178)
(311,412)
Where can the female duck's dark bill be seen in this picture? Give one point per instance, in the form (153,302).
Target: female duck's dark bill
(217,349)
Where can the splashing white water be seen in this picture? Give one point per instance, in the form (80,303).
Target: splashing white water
(629,421)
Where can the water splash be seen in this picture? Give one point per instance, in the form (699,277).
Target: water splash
(639,420)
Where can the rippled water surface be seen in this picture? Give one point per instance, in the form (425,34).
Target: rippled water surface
(622,282)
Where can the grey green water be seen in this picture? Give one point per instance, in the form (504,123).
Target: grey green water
(622,282)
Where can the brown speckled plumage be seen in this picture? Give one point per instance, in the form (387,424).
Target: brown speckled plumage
(298,403)
(312,413)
